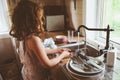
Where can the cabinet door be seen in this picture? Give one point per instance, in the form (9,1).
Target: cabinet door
(10,71)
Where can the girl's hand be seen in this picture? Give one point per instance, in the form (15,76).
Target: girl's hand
(60,50)
(66,54)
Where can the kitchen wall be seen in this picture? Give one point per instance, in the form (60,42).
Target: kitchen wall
(74,10)
(13,3)
(74,17)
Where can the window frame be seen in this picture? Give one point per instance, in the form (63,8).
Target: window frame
(102,22)
(93,37)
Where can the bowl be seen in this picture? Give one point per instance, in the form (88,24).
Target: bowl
(61,39)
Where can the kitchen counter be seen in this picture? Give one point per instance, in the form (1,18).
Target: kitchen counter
(110,73)
(55,33)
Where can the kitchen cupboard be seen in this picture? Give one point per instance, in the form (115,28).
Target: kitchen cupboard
(10,71)
(9,62)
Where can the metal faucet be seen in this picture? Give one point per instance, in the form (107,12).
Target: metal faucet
(107,30)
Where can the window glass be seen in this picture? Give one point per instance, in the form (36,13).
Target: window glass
(111,16)
(4,23)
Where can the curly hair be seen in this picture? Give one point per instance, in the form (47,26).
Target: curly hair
(26,19)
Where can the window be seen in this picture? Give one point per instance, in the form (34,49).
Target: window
(109,13)
(4,23)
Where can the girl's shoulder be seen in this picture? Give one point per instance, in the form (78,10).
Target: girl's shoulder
(32,41)
(33,38)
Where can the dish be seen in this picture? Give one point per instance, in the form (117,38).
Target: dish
(74,73)
(96,67)
(61,39)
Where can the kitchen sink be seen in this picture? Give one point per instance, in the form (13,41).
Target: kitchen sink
(87,49)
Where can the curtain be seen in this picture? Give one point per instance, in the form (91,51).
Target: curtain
(73,17)
(4,23)
(71,13)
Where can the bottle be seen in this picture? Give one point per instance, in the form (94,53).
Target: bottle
(111,57)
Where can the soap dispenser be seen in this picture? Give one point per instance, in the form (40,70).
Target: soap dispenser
(111,57)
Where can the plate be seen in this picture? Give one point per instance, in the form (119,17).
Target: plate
(93,67)
(74,73)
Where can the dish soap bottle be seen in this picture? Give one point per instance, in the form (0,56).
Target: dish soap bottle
(111,57)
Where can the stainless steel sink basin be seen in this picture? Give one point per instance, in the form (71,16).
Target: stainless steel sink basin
(88,50)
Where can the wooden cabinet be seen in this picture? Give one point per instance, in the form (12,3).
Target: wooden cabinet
(10,71)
